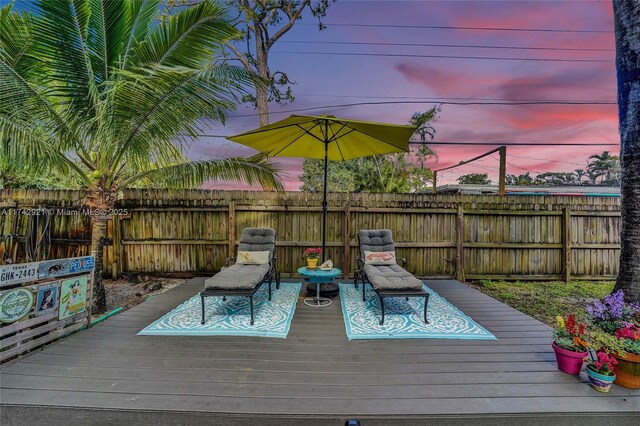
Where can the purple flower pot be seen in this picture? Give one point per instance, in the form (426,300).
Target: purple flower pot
(568,361)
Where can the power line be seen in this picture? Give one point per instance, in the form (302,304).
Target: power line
(547,159)
(452,27)
(492,58)
(581,101)
(518,143)
(523,168)
(469,103)
(462,163)
(482,143)
(473,46)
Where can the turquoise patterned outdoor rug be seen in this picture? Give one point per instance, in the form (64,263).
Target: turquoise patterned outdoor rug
(232,317)
(403,319)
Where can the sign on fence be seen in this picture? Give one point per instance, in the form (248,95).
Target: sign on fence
(17,274)
(73,297)
(14,304)
(45,300)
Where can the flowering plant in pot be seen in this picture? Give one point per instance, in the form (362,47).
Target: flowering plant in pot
(600,370)
(569,344)
(312,255)
(614,328)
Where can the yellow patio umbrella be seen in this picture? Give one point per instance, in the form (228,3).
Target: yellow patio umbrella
(329,138)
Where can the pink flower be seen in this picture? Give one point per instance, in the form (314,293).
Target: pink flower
(630,331)
(605,363)
(312,252)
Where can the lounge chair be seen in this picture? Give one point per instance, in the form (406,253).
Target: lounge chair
(254,267)
(377,265)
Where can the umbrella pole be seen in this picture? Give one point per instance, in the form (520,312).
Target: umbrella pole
(324,202)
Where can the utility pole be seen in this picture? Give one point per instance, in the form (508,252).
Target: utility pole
(435,182)
(502,179)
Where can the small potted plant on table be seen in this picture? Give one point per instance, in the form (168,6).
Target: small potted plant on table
(600,370)
(569,344)
(312,254)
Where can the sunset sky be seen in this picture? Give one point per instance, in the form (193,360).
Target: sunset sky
(381,56)
(330,73)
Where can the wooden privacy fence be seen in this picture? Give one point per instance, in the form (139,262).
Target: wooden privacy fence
(462,236)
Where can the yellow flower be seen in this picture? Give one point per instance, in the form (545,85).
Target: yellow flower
(560,321)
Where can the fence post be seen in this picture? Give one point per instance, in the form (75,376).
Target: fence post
(460,244)
(232,228)
(566,244)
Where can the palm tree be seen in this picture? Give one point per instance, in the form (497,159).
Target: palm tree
(627,32)
(605,166)
(580,173)
(112,93)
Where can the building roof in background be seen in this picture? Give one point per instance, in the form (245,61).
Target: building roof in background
(591,191)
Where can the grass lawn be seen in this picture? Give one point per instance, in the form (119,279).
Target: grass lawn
(545,300)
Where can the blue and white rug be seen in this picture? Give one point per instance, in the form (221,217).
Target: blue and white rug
(232,316)
(403,319)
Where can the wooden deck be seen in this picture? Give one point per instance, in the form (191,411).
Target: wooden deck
(108,375)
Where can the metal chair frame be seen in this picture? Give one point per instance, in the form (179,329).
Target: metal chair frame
(359,274)
(272,274)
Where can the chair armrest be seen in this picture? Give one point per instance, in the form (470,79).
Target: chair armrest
(228,261)
(404,261)
(360,262)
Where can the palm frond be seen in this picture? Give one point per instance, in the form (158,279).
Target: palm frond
(106,35)
(189,38)
(150,105)
(255,170)
(140,17)
(62,43)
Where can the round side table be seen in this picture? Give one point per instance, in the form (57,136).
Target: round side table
(318,277)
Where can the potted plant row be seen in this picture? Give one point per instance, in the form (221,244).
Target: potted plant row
(614,328)
(612,331)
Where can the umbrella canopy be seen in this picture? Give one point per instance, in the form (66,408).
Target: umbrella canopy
(328,138)
(306,136)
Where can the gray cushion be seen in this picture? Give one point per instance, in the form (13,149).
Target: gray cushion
(375,240)
(391,277)
(258,239)
(237,277)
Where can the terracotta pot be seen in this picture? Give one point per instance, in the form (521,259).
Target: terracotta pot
(312,263)
(568,361)
(600,382)
(628,371)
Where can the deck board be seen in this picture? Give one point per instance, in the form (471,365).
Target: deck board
(315,374)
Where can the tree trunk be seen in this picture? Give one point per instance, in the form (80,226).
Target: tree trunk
(262,93)
(627,33)
(100,200)
(98,233)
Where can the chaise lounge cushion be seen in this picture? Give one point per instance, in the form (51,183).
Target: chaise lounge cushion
(257,239)
(237,277)
(376,240)
(391,277)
